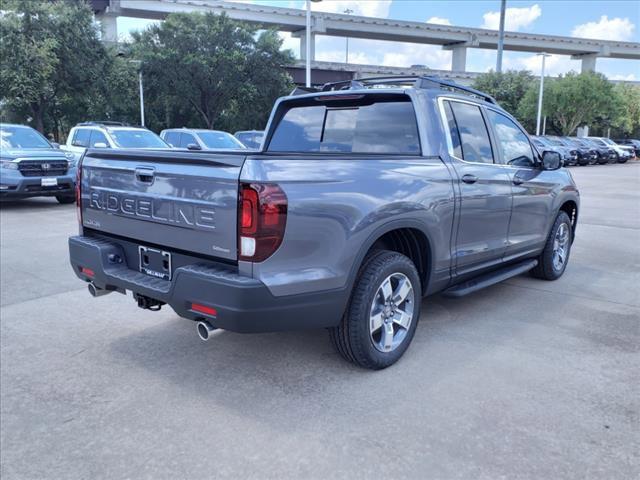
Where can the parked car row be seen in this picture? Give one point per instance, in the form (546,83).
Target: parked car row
(33,166)
(589,150)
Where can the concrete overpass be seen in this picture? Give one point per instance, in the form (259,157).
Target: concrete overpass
(456,39)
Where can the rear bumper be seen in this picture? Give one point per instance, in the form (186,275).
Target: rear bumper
(14,186)
(242,304)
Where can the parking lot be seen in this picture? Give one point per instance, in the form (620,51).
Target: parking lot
(526,379)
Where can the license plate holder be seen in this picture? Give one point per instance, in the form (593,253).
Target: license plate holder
(48,182)
(156,263)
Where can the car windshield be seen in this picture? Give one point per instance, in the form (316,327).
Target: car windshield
(137,139)
(22,137)
(219,140)
(608,141)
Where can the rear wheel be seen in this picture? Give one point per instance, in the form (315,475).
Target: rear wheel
(382,316)
(553,260)
(65,199)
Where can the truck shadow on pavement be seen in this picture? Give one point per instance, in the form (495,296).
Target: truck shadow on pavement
(279,369)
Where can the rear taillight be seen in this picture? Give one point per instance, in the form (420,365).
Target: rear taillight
(262,217)
(79,193)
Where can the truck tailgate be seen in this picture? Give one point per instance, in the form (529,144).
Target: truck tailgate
(177,199)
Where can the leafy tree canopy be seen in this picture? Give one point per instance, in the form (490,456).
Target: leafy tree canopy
(507,88)
(571,100)
(209,65)
(51,58)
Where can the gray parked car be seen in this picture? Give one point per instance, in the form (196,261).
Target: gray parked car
(31,166)
(200,139)
(365,198)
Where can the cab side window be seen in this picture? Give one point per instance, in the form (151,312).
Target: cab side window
(172,138)
(98,137)
(475,145)
(187,139)
(81,137)
(513,144)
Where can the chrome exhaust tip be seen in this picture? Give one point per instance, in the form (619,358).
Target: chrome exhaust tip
(205,330)
(97,291)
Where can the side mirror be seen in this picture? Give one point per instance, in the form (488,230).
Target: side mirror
(100,145)
(551,161)
(55,145)
(194,146)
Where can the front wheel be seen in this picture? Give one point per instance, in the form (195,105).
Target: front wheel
(65,199)
(553,260)
(383,313)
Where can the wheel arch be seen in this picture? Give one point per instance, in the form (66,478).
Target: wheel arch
(407,237)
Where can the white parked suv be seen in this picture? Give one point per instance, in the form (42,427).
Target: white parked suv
(623,152)
(110,135)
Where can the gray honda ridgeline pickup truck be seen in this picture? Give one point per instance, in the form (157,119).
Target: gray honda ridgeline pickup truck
(365,197)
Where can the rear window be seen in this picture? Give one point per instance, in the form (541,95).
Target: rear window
(346,126)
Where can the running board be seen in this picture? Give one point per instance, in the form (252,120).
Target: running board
(489,279)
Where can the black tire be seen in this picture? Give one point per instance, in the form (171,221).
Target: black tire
(546,268)
(352,338)
(65,199)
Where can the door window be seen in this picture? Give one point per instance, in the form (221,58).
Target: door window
(474,140)
(98,137)
(187,139)
(513,144)
(172,138)
(81,137)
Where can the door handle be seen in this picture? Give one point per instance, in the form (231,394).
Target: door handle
(468,178)
(145,175)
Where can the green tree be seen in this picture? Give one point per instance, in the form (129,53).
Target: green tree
(507,88)
(211,69)
(627,124)
(51,60)
(571,100)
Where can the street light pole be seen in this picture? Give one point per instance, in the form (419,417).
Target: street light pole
(503,8)
(141,97)
(544,55)
(307,45)
(140,89)
(347,11)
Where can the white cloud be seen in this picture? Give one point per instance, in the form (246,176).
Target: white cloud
(514,20)
(627,78)
(290,43)
(370,8)
(378,52)
(606,29)
(439,21)
(554,65)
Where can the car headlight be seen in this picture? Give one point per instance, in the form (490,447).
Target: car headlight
(8,164)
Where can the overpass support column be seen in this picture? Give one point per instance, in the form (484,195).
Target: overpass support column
(303,46)
(588,63)
(459,59)
(108,27)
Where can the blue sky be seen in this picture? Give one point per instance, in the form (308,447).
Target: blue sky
(606,19)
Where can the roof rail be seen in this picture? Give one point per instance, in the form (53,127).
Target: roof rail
(415,81)
(109,123)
